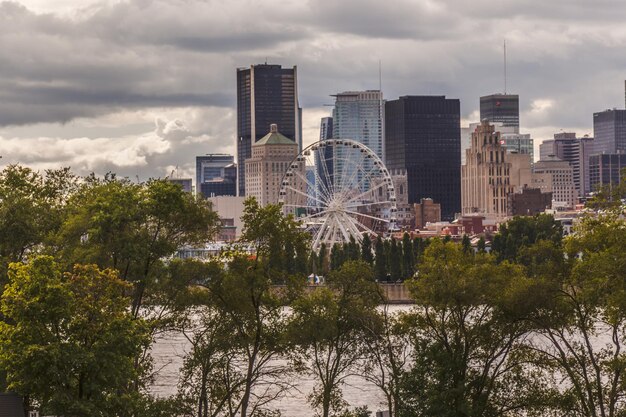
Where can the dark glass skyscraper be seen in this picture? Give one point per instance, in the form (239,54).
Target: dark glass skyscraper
(266,94)
(423,136)
(609,131)
(502,108)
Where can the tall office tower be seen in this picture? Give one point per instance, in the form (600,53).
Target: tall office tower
(357,115)
(576,151)
(606,169)
(556,176)
(266,94)
(325,171)
(501,108)
(216,174)
(491,174)
(423,137)
(609,131)
(271,157)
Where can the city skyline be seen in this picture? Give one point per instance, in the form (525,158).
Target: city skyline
(84,82)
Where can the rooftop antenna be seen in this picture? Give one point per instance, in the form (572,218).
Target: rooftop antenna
(505,67)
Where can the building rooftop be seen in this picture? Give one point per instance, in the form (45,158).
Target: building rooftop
(274,138)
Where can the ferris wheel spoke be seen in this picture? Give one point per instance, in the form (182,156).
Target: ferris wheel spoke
(309,183)
(365,193)
(375,203)
(310,216)
(305,195)
(322,187)
(322,157)
(345,185)
(364,226)
(378,219)
(319,234)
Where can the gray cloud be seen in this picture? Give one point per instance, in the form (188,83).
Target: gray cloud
(566,61)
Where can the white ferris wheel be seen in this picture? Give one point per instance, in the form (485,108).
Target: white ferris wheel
(344,191)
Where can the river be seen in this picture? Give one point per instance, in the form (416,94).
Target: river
(169,350)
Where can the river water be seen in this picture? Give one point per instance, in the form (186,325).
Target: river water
(169,350)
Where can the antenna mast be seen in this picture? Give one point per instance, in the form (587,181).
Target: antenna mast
(505,67)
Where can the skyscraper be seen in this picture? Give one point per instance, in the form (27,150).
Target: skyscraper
(266,94)
(423,137)
(609,131)
(325,171)
(502,108)
(358,116)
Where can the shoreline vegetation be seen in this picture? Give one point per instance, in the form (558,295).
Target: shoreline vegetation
(535,327)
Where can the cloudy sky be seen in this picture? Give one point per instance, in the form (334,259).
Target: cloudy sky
(140,87)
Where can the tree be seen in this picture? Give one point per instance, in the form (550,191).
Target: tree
(366,249)
(380,263)
(395,260)
(323,259)
(408,260)
(132,228)
(580,315)
(337,256)
(69,341)
(329,326)
(386,356)
(246,304)
(481,246)
(469,359)
(524,231)
(281,246)
(31,209)
(467,245)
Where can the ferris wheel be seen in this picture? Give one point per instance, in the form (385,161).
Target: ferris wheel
(338,189)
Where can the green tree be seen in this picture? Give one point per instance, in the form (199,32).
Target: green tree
(580,315)
(380,263)
(366,249)
(329,326)
(69,341)
(31,209)
(468,355)
(337,256)
(246,304)
(395,260)
(408,260)
(281,245)
(132,227)
(324,260)
(467,245)
(481,246)
(524,231)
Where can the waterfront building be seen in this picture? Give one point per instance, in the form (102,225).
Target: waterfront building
(423,137)
(266,94)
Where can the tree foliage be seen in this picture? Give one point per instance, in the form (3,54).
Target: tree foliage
(68,341)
